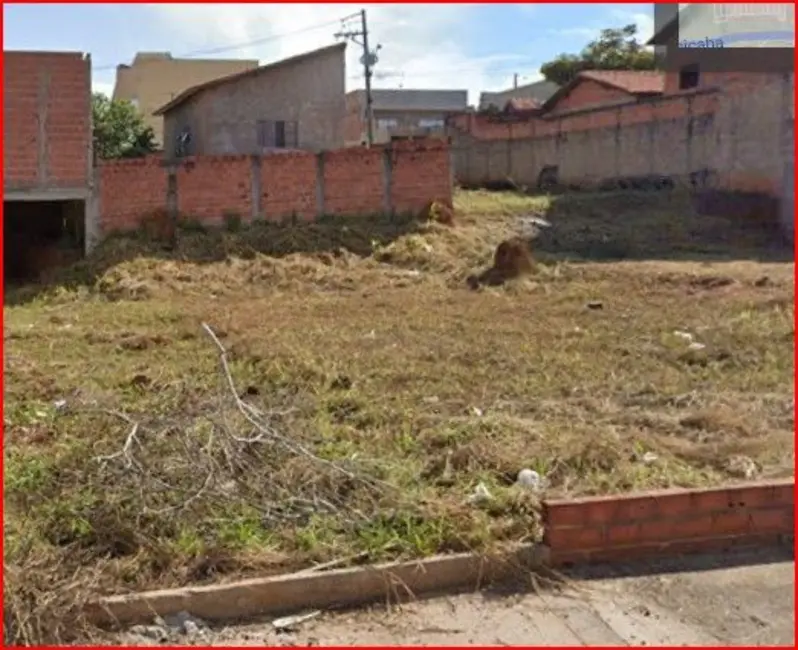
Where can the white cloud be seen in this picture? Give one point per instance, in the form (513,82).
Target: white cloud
(421,44)
(616,18)
(644,22)
(102,87)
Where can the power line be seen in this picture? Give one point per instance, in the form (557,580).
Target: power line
(490,70)
(243,45)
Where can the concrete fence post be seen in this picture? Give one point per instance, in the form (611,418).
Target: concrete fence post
(93,207)
(618,152)
(257,186)
(653,163)
(387,179)
(688,145)
(43,141)
(320,208)
(172,201)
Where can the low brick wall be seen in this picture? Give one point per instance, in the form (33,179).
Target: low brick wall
(401,177)
(598,529)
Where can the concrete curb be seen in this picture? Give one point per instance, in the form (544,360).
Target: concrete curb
(307,590)
(594,529)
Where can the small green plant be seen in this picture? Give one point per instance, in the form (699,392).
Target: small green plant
(191,224)
(232,221)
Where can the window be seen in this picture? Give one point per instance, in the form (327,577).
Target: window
(431,123)
(688,77)
(387,123)
(279,134)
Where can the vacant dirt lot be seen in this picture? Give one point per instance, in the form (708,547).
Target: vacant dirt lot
(364,391)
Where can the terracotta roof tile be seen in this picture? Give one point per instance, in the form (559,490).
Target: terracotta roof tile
(636,82)
(523,104)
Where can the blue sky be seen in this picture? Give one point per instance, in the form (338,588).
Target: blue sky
(473,47)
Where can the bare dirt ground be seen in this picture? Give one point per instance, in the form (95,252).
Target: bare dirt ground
(694,601)
(357,392)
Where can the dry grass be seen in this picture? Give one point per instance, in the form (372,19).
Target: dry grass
(373,392)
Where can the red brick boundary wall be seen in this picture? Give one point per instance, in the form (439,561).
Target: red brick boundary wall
(401,177)
(599,529)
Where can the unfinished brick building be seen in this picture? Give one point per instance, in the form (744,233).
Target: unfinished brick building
(47,158)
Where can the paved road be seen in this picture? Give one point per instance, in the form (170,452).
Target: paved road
(704,602)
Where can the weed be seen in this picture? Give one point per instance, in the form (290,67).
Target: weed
(232,221)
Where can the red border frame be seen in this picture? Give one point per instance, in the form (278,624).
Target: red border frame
(311,2)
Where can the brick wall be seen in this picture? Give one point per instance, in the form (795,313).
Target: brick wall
(669,136)
(402,177)
(129,189)
(210,186)
(47,120)
(741,132)
(676,521)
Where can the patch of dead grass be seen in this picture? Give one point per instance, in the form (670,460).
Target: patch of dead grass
(380,362)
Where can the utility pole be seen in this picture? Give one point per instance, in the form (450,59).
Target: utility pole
(515,80)
(368,60)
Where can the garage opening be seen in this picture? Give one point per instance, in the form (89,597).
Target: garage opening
(39,236)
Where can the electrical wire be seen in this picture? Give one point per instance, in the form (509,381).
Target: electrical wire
(246,44)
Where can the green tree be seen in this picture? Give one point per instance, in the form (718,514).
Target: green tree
(614,49)
(119,129)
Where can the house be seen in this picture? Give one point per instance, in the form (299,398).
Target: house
(401,113)
(539,92)
(724,44)
(155,78)
(296,103)
(601,87)
(48,211)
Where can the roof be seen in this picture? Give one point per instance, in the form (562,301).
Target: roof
(523,104)
(406,99)
(539,90)
(634,82)
(221,81)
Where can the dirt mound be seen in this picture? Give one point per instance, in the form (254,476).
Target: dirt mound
(512,259)
(439,212)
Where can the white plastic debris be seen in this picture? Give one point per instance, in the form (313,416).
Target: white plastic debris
(742,466)
(649,457)
(481,494)
(529,479)
(60,404)
(533,221)
(696,346)
(683,335)
(477,411)
(290,622)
